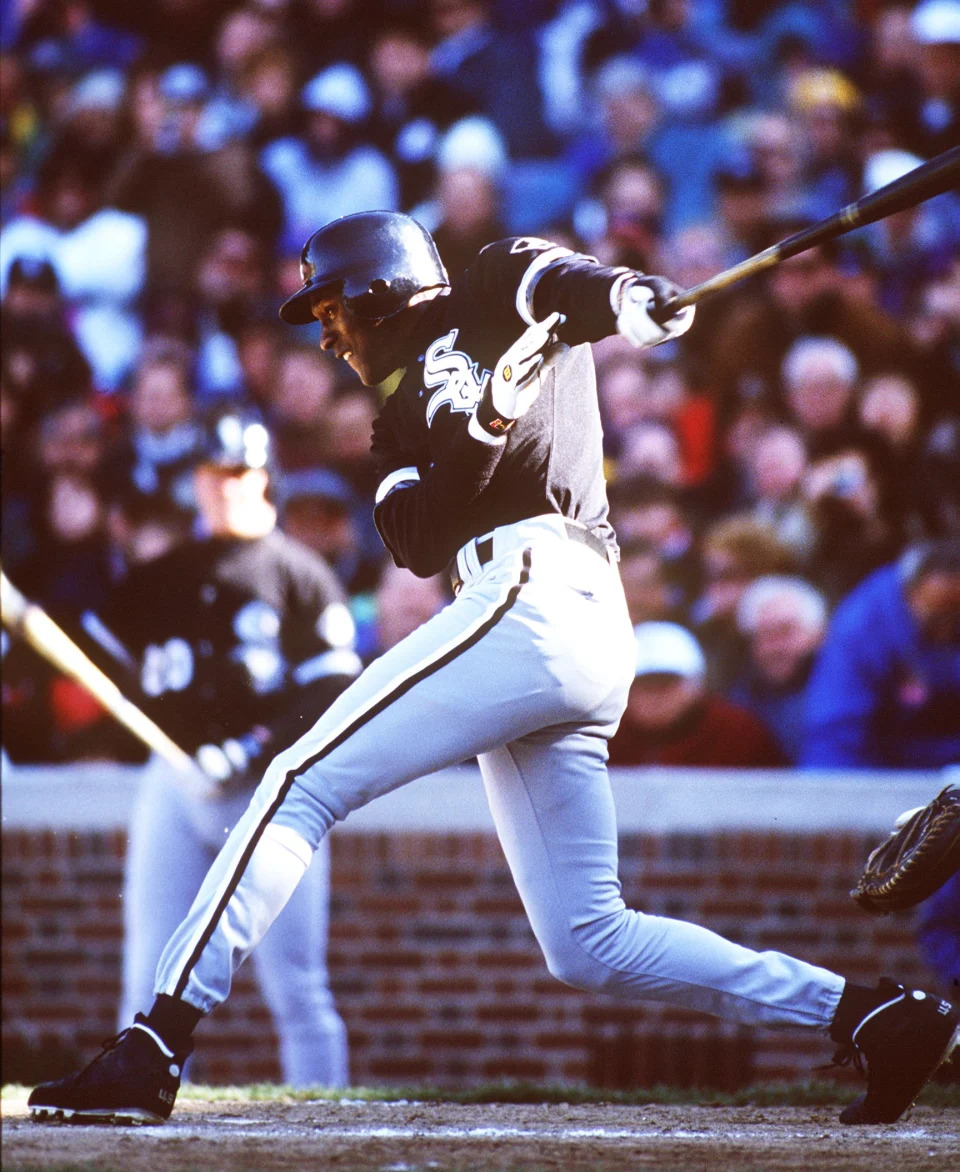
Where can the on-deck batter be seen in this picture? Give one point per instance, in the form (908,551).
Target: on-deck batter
(490,456)
(240,637)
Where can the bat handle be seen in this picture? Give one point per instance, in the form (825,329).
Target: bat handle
(663,313)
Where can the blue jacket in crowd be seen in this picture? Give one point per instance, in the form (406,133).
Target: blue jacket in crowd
(938,932)
(881,694)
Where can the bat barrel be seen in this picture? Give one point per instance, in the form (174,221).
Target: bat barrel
(924,182)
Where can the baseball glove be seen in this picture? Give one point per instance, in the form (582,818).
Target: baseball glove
(920,855)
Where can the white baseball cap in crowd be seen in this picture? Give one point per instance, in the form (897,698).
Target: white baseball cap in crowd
(473,142)
(936,22)
(101,89)
(883,167)
(184,84)
(668,649)
(340,91)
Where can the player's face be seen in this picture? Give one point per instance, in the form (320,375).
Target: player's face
(362,344)
(228,497)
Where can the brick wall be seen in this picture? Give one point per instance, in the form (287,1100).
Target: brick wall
(433,965)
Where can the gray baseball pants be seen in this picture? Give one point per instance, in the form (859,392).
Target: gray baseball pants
(528,669)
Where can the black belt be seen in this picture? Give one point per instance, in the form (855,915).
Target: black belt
(575,532)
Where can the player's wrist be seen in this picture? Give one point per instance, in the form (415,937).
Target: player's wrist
(486,423)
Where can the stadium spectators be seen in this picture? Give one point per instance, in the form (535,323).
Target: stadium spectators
(783,620)
(673,719)
(885,691)
(163,163)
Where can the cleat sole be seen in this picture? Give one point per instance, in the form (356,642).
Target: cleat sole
(110,1116)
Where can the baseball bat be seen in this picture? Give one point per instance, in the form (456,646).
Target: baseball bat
(924,182)
(32,623)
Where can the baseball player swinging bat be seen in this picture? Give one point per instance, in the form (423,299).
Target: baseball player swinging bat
(32,623)
(924,182)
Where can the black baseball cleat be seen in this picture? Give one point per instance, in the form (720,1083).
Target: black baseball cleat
(902,1040)
(133,1080)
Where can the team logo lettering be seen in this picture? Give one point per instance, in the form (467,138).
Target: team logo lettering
(452,376)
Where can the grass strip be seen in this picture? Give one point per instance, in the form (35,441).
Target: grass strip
(771,1094)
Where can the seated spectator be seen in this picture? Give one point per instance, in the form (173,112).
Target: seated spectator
(633,388)
(349,428)
(72,36)
(827,106)
(743,207)
(259,344)
(183,190)
(626,113)
(232,287)
(735,552)
(936,31)
(317,509)
(644,510)
(93,118)
(888,413)
(624,223)
(43,366)
(164,435)
(243,34)
(71,569)
(673,719)
(775,152)
(667,120)
(412,108)
(496,67)
(783,620)
(471,160)
(914,244)
(851,534)
(269,86)
(647,586)
(622,389)
(299,405)
(777,466)
(71,439)
(98,253)
(819,376)
(331,170)
(402,603)
(885,690)
(888,404)
(807,295)
(651,448)
(145,525)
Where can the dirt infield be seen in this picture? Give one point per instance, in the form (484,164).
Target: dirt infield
(354,1136)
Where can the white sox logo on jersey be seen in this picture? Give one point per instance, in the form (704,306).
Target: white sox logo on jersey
(452,376)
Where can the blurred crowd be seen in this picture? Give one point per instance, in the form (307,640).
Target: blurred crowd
(162,164)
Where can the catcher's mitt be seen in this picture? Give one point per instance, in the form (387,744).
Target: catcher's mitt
(918,858)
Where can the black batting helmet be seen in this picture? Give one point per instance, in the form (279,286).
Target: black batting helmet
(235,439)
(378,260)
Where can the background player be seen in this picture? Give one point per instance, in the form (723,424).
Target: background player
(490,456)
(237,636)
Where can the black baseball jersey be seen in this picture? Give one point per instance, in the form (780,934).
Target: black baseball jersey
(230,637)
(457,487)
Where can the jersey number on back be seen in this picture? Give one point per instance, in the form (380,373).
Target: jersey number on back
(168,668)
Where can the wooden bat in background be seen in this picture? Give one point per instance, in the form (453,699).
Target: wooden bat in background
(924,182)
(33,624)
